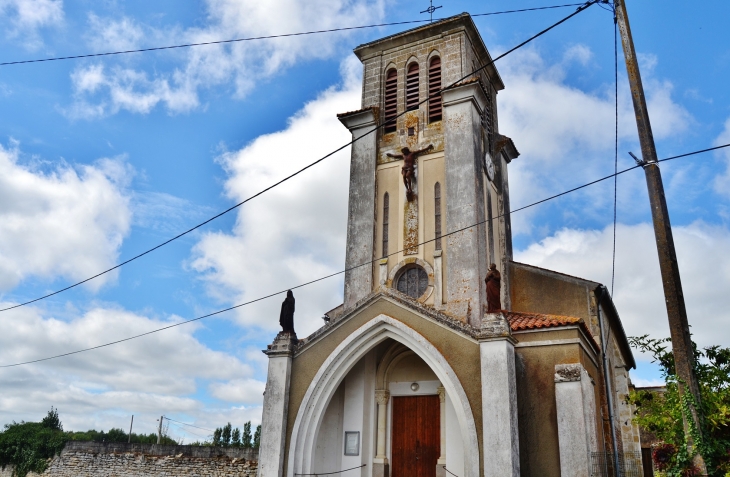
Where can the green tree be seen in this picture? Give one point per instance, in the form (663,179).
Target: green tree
(661,413)
(28,445)
(52,421)
(217,436)
(236,437)
(226,435)
(247,435)
(257,437)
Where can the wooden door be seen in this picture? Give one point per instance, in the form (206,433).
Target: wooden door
(415,444)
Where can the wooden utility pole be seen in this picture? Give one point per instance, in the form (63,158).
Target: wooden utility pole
(159,430)
(129,441)
(684,359)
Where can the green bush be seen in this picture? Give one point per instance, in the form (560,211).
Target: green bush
(661,413)
(29,445)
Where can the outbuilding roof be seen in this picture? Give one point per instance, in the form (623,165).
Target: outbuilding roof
(534,321)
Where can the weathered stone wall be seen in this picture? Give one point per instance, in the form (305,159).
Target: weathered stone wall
(92,459)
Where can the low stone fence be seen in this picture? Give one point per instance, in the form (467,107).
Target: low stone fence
(97,459)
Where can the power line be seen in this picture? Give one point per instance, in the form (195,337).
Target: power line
(368,263)
(189,425)
(267,37)
(142,254)
(188,432)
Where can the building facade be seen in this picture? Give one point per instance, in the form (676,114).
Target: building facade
(418,372)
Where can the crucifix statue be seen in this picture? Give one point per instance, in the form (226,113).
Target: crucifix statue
(409,161)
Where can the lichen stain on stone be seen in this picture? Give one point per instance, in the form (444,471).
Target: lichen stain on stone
(411,121)
(410,227)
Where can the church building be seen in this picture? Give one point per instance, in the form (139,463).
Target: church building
(427,369)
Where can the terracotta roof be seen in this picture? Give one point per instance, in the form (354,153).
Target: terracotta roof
(533,321)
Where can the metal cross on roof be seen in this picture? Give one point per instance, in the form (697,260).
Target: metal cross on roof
(431,9)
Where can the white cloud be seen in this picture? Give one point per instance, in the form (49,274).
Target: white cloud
(644,383)
(722,182)
(158,374)
(112,34)
(564,132)
(240,391)
(579,53)
(295,232)
(638,288)
(102,91)
(25,17)
(60,221)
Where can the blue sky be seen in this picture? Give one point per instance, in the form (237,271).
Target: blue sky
(105,157)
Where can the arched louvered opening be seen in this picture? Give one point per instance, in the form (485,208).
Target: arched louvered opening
(386,219)
(437,209)
(391,100)
(434,90)
(412,87)
(487,122)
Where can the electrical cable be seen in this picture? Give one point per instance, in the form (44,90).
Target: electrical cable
(615,160)
(188,432)
(186,424)
(267,37)
(368,263)
(312,164)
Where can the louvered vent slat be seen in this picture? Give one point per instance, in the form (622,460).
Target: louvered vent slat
(435,112)
(412,87)
(391,101)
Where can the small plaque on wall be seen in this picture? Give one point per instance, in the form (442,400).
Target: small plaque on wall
(352,442)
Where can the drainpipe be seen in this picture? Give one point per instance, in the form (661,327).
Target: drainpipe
(609,390)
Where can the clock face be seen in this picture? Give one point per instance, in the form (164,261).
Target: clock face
(489,166)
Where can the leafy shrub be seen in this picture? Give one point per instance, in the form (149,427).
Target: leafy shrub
(29,445)
(662,413)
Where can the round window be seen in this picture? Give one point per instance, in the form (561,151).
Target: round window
(413,281)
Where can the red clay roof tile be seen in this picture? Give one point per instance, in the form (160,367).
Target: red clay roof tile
(532,321)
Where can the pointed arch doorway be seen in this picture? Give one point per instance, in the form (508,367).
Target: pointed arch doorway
(312,424)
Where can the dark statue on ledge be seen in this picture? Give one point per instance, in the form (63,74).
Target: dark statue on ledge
(409,161)
(286,318)
(493,281)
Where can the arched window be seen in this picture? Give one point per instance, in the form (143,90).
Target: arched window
(434,90)
(412,87)
(391,100)
(386,219)
(437,208)
(413,281)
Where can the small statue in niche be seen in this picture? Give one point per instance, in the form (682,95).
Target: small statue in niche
(286,318)
(409,161)
(493,281)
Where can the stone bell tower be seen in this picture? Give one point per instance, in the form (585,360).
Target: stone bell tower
(434,234)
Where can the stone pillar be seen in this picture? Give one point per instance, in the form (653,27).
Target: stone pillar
(441,462)
(276,406)
(360,247)
(438,290)
(381,467)
(499,398)
(383,272)
(464,289)
(576,413)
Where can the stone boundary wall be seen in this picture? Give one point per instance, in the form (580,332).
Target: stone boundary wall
(96,459)
(161,450)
